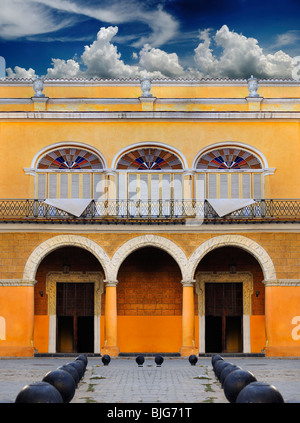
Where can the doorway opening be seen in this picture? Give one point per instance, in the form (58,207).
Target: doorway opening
(149,303)
(75,317)
(223,317)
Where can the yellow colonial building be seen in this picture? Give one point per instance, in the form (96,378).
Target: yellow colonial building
(140,217)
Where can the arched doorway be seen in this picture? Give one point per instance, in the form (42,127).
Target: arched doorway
(68,291)
(149,302)
(230,292)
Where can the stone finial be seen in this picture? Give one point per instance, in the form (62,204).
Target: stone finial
(146,87)
(253,86)
(38,86)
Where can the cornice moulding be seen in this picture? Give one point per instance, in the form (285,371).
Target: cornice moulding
(140,116)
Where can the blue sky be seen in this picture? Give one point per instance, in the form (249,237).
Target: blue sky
(162,38)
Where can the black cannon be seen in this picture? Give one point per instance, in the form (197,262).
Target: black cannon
(79,366)
(193,359)
(73,372)
(63,382)
(158,360)
(39,392)
(83,358)
(235,382)
(106,359)
(220,365)
(215,358)
(259,392)
(226,371)
(140,359)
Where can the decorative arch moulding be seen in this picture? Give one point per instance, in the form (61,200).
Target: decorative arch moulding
(188,266)
(80,147)
(231,155)
(163,152)
(150,156)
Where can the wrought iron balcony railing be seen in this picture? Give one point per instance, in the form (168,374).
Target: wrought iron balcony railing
(174,211)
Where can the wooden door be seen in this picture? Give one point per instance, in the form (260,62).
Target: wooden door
(75,317)
(223,317)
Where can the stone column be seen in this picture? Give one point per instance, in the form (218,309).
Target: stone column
(110,343)
(188,319)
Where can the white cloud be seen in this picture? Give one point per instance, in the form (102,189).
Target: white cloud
(288,38)
(240,57)
(21,19)
(19,72)
(115,12)
(102,58)
(64,68)
(156,60)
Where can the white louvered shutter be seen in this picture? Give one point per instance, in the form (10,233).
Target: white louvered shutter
(235,186)
(75,186)
(63,186)
(86,185)
(212,186)
(41,189)
(52,186)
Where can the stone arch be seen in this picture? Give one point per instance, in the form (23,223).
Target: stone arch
(59,241)
(149,241)
(239,241)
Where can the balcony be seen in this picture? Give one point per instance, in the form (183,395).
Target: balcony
(150,212)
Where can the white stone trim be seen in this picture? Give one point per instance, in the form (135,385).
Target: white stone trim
(17,282)
(246,279)
(239,241)
(59,241)
(153,228)
(152,116)
(136,82)
(51,280)
(282,282)
(150,240)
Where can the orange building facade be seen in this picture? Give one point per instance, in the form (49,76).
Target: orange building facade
(140,217)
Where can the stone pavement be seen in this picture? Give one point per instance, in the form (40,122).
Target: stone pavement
(175,382)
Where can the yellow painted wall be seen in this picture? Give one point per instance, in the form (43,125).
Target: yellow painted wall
(22,139)
(276,140)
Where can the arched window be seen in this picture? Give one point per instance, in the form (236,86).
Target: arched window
(149,159)
(69,172)
(229,172)
(150,177)
(71,159)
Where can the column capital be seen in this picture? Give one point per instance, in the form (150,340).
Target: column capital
(190,282)
(111,283)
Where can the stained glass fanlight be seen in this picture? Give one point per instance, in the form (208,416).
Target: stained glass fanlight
(228,159)
(70,159)
(149,159)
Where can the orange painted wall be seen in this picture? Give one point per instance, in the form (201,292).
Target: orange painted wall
(149,303)
(149,333)
(19,324)
(283,321)
(257,333)
(41,334)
